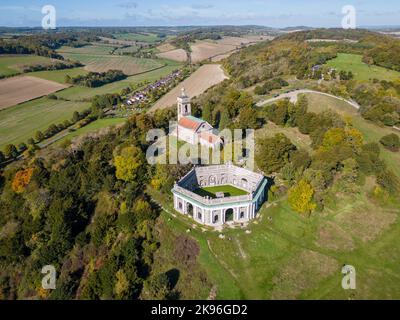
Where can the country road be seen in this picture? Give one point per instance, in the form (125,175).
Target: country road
(294,94)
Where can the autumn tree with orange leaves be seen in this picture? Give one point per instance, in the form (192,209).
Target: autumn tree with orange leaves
(21,180)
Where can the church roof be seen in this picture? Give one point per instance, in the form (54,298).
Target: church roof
(190,122)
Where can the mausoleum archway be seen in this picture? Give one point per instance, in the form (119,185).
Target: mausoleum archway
(228,215)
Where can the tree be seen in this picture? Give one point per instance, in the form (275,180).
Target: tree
(157,287)
(225,120)
(248,118)
(75,117)
(22,147)
(297,110)
(31,141)
(391,142)
(128,163)
(2,157)
(21,180)
(300,197)
(389,181)
(39,136)
(273,153)
(342,137)
(11,151)
(207,112)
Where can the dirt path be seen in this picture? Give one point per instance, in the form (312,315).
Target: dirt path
(294,95)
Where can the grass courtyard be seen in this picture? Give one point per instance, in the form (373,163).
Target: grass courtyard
(228,190)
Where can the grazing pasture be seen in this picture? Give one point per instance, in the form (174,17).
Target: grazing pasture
(103,63)
(139,37)
(15,64)
(205,77)
(361,70)
(91,128)
(58,75)
(23,88)
(95,49)
(19,123)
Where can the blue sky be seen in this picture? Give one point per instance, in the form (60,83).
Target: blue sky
(274,13)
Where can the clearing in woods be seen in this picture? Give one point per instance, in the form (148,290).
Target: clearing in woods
(361,70)
(205,77)
(24,88)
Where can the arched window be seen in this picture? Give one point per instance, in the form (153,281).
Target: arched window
(215,220)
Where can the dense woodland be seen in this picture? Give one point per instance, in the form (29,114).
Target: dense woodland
(84,211)
(45,44)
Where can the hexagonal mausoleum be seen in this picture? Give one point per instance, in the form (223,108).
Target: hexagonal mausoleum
(214,195)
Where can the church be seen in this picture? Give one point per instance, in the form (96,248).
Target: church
(194,130)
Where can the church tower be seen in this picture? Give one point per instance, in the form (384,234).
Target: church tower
(184,106)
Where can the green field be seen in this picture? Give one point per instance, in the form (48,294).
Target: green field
(102,63)
(92,127)
(130,49)
(14,64)
(228,190)
(361,70)
(19,123)
(96,49)
(141,37)
(58,75)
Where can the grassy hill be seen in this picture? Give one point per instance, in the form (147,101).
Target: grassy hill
(361,70)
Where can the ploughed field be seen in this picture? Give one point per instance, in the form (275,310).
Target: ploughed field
(24,88)
(214,50)
(205,77)
(228,190)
